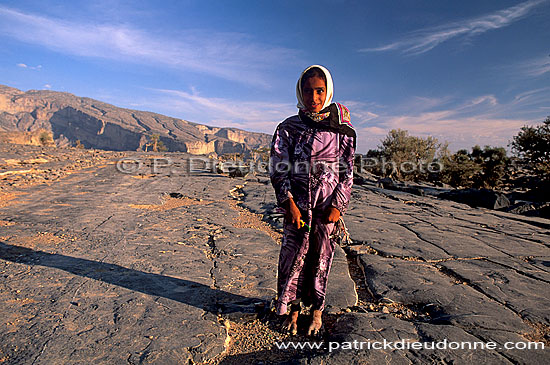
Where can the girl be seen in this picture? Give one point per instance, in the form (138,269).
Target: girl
(311,170)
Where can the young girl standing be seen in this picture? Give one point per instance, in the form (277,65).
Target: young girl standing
(311,169)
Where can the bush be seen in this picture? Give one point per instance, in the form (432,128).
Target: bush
(407,157)
(493,162)
(482,168)
(369,162)
(459,169)
(261,154)
(432,161)
(45,138)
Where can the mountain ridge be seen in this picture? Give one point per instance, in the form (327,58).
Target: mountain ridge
(97,124)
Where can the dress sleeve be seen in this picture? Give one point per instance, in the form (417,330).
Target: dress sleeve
(279,164)
(342,192)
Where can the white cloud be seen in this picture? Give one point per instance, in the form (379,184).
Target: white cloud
(489,99)
(47,86)
(231,56)
(23,65)
(373,131)
(425,40)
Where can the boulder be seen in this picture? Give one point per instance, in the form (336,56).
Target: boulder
(386,183)
(484,198)
(238,171)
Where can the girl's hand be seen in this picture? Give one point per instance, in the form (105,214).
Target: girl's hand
(331,215)
(293,214)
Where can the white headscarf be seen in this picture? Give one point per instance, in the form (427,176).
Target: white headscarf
(330,89)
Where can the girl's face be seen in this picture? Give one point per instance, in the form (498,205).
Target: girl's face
(314,94)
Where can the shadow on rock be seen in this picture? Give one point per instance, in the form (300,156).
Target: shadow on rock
(184,291)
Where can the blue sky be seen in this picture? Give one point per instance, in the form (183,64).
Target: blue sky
(466,72)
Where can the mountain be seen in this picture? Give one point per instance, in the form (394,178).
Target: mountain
(104,126)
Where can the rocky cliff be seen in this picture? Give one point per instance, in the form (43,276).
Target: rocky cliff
(99,125)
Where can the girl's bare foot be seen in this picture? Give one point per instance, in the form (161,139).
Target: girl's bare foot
(316,323)
(291,322)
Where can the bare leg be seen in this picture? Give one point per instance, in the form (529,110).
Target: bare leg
(291,322)
(316,323)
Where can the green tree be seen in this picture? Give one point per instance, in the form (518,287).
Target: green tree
(156,144)
(532,146)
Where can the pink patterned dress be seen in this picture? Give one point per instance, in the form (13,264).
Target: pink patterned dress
(312,162)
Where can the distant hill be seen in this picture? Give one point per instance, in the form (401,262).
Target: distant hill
(104,126)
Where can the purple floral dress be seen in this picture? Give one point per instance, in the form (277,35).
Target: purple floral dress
(313,164)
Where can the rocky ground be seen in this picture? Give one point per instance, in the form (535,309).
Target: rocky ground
(148,262)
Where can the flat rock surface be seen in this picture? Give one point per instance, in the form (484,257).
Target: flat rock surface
(463,271)
(134,263)
(115,266)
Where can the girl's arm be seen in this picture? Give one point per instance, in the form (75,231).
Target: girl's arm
(342,192)
(279,165)
(279,173)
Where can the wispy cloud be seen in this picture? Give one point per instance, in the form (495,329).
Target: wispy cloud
(536,67)
(223,112)
(361,111)
(422,41)
(23,65)
(231,56)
